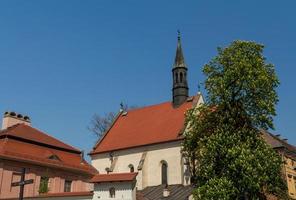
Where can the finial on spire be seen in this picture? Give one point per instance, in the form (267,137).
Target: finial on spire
(198,87)
(121,107)
(179,59)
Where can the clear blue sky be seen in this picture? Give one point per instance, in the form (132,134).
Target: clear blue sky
(63,61)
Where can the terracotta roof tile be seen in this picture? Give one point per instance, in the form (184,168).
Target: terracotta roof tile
(143,126)
(20,143)
(114,177)
(32,134)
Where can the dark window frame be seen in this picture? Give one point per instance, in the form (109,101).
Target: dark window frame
(112,192)
(164,173)
(68,186)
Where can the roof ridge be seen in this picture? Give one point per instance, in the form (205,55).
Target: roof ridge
(164,102)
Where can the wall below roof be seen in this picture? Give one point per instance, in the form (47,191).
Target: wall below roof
(150,175)
(123,190)
(82,197)
(290,175)
(8,174)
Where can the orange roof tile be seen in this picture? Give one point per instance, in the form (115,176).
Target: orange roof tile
(143,126)
(47,151)
(114,177)
(32,134)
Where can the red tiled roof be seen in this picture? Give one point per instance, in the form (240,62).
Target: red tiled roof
(29,133)
(115,177)
(143,126)
(21,148)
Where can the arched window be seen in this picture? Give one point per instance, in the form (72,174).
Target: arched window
(131,167)
(176,77)
(112,192)
(164,172)
(181,77)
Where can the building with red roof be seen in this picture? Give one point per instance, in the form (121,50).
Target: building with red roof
(55,167)
(141,151)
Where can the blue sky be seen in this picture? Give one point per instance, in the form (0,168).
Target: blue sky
(63,61)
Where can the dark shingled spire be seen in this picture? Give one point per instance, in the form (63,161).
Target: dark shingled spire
(180,86)
(179,59)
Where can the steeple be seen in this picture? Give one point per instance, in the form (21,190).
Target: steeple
(180,86)
(179,59)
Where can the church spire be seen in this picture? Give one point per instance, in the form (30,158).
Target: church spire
(179,59)
(180,86)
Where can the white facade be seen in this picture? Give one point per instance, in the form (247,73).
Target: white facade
(123,191)
(150,174)
(147,161)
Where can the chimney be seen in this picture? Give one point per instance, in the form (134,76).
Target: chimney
(166,191)
(13,118)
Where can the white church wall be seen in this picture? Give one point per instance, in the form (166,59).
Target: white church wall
(123,191)
(171,154)
(150,174)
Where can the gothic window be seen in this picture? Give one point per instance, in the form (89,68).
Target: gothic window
(164,172)
(131,167)
(112,192)
(67,186)
(176,77)
(181,77)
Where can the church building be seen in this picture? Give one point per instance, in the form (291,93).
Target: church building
(140,155)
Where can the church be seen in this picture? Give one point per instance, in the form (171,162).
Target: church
(140,155)
(138,158)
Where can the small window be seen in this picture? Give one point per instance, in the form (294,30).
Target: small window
(43,187)
(164,173)
(181,77)
(112,192)
(176,77)
(131,167)
(54,157)
(67,186)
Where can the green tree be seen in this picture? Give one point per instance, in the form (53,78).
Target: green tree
(43,187)
(228,157)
